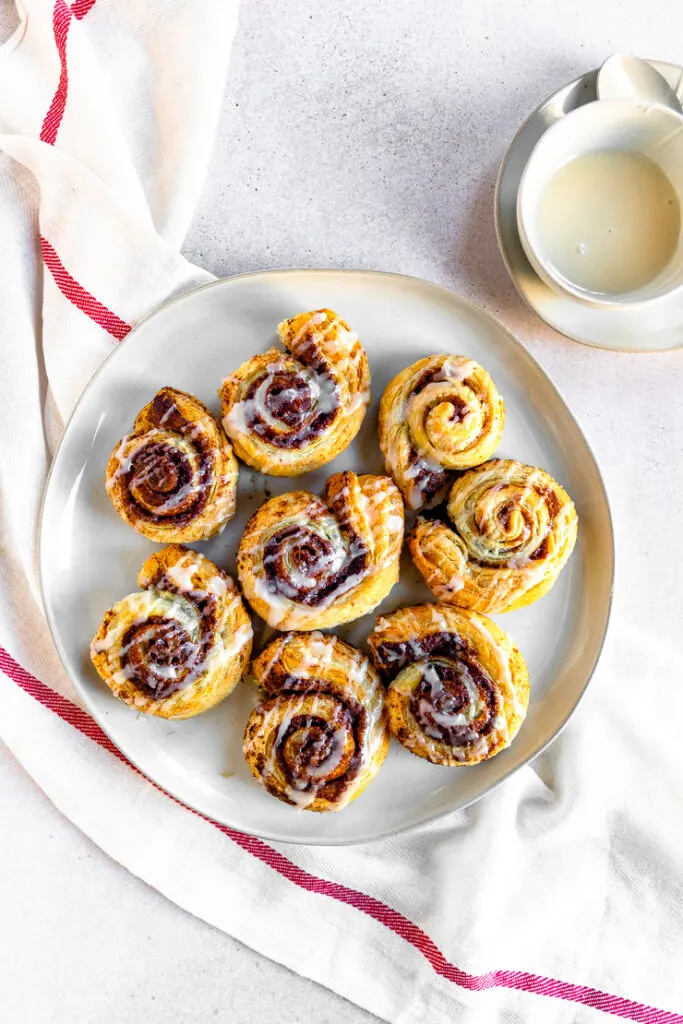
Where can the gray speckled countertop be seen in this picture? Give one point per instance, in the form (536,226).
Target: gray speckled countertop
(353,134)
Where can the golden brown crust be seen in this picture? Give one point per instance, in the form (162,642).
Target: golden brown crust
(311,563)
(437,416)
(174,477)
(181,644)
(319,734)
(513,530)
(458,687)
(292,412)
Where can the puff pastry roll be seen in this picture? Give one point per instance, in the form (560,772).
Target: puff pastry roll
(179,645)
(319,735)
(290,412)
(458,689)
(174,478)
(439,415)
(513,530)
(306,562)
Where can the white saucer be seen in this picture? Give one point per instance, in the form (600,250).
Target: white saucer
(627,330)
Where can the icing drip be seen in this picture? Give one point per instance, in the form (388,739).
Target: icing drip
(444,416)
(456,702)
(425,480)
(506,515)
(311,565)
(285,407)
(317,735)
(165,474)
(459,692)
(167,636)
(302,555)
(154,639)
(325,551)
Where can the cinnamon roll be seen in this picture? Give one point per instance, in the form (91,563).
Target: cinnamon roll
(439,415)
(311,563)
(319,735)
(291,412)
(179,645)
(458,689)
(174,478)
(513,530)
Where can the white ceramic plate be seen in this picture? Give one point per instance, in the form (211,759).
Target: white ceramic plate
(630,330)
(90,558)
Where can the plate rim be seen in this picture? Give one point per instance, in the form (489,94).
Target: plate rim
(511,268)
(274,836)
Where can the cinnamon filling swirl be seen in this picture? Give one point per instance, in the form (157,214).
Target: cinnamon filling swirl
(306,566)
(288,408)
(164,482)
(159,655)
(456,702)
(317,756)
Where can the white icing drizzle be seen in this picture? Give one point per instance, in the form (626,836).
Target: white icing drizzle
(342,341)
(131,444)
(324,398)
(217,586)
(436,687)
(358,400)
(279,607)
(178,497)
(236,420)
(277,648)
(333,339)
(332,761)
(518,561)
(239,640)
(285,607)
(318,656)
(169,412)
(501,678)
(123,460)
(435,392)
(282,602)
(456,582)
(149,603)
(416,487)
(302,798)
(457,368)
(313,321)
(454,369)
(180,573)
(161,603)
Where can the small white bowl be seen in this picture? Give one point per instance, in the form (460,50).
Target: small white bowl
(654,131)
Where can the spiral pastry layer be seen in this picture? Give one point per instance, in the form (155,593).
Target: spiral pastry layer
(174,478)
(439,415)
(458,689)
(181,644)
(319,735)
(311,563)
(513,530)
(291,412)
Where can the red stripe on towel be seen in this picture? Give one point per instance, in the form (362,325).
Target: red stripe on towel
(69,287)
(61,22)
(522,981)
(81,298)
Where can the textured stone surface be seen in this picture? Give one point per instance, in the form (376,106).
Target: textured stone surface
(82,940)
